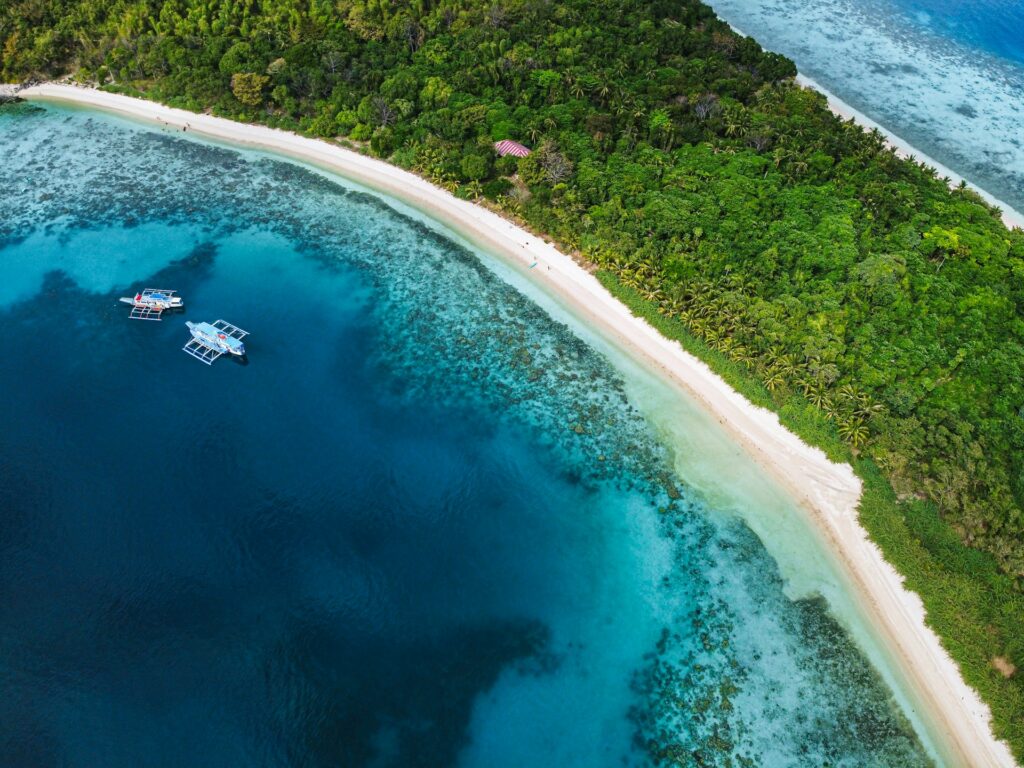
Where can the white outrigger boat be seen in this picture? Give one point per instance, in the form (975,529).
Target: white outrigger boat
(211,340)
(150,303)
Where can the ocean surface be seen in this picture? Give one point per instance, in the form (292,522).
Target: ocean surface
(947,76)
(423,524)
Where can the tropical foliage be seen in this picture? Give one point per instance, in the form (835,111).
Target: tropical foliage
(681,159)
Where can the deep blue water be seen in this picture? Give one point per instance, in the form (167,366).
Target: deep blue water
(422,526)
(994,26)
(947,76)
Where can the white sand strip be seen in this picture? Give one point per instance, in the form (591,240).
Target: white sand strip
(829,491)
(1011,217)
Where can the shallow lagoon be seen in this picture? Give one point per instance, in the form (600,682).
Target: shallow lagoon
(424,525)
(947,77)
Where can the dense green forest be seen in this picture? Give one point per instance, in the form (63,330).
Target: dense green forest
(880,311)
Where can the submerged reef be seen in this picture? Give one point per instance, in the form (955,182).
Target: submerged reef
(741,674)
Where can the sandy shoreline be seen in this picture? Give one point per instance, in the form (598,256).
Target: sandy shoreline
(1011,218)
(957,717)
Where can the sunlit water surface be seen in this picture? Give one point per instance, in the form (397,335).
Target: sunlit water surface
(423,526)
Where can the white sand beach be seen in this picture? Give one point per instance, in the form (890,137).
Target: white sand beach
(1011,217)
(829,492)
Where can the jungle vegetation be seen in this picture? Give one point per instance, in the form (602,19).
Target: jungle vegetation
(877,309)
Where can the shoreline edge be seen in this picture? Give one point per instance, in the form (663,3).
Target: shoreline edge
(829,492)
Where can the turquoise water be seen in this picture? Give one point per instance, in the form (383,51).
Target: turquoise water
(948,77)
(423,525)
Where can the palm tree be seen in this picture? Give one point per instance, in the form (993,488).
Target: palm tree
(847,393)
(787,366)
(772,380)
(742,355)
(854,431)
(828,407)
(807,385)
(819,399)
(670,307)
(866,408)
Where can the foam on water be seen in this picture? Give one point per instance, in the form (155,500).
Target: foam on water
(946,77)
(425,525)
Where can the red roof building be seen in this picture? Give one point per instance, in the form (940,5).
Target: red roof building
(508,147)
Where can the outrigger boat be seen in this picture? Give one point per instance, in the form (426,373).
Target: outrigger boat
(150,303)
(211,340)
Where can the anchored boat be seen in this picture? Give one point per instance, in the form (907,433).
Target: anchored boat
(151,303)
(211,340)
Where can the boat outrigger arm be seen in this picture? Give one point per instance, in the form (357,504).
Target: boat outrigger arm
(211,340)
(150,303)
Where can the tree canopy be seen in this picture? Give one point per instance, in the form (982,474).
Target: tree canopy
(673,153)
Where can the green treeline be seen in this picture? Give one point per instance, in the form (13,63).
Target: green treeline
(878,310)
